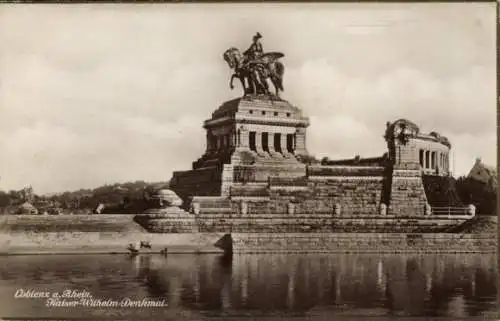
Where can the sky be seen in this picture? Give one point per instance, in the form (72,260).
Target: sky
(94,94)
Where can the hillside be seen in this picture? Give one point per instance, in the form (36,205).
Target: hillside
(118,198)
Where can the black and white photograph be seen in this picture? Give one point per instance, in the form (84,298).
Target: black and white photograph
(248,161)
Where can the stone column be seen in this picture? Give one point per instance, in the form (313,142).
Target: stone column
(208,142)
(258,144)
(216,143)
(244,140)
(272,150)
(284,150)
(222,144)
(300,141)
(232,139)
(211,143)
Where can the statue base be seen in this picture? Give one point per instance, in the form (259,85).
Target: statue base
(249,139)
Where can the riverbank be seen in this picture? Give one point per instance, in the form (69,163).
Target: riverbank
(97,243)
(92,234)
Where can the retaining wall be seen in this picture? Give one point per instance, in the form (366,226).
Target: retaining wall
(362,243)
(304,223)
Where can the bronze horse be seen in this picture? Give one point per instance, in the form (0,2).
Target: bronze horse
(253,74)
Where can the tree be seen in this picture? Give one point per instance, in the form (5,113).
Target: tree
(482,195)
(5,199)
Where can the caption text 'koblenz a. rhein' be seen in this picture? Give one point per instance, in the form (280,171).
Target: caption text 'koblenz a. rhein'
(83,298)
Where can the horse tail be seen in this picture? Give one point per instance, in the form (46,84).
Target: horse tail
(280,71)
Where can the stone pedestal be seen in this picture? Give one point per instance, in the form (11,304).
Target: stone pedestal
(407,193)
(165,216)
(229,151)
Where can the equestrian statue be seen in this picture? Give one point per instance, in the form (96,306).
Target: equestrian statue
(254,67)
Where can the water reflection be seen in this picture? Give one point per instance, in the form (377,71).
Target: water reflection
(430,285)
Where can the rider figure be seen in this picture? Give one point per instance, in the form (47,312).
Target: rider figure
(252,55)
(255,50)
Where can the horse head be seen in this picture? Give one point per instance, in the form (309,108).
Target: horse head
(233,57)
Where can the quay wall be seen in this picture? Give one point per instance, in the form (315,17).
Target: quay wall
(304,223)
(363,243)
(64,234)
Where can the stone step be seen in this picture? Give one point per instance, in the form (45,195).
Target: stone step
(209,210)
(214,203)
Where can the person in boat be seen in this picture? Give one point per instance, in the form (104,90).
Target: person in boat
(133,248)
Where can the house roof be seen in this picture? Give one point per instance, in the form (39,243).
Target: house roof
(490,171)
(27,207)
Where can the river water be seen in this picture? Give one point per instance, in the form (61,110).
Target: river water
(201,287)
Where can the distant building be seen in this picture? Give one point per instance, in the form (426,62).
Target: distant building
(483,173)
(27,208)
(54,211)
(100,207)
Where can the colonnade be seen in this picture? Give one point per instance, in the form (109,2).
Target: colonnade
(262,142)
(433,160)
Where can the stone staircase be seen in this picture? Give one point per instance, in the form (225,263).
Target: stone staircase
(477,225)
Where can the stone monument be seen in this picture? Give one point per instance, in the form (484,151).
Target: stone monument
(250,138)
(255,174)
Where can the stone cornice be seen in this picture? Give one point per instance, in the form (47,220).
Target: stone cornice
(368,178)
(302,122)
(440,140)
(298,122)
(264,121)
(217,121)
